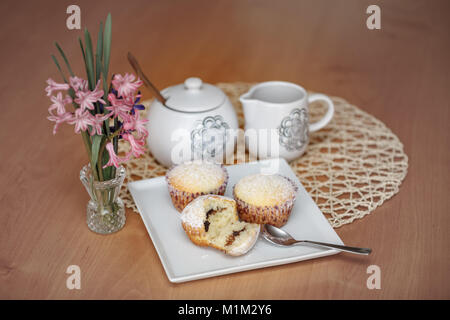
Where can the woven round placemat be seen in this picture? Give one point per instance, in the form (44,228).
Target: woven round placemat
(350,168)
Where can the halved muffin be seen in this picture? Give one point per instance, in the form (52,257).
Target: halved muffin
(212,221)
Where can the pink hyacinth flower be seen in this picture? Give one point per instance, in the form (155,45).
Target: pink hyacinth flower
(82,120)
(58,119)
(114,160)
(137,145)
(134,123)
(129,100)
(125,85)
(78,84)
(86,99)
(118,107)
(53,86)
(97,123)
(59,103)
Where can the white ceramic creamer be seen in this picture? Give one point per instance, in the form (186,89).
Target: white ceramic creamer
(280,110)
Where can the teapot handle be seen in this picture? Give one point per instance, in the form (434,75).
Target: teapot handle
(327,117)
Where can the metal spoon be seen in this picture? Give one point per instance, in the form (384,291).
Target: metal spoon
(282,238)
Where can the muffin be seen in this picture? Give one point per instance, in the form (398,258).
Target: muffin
(212,221)
(265,199)
(190,180)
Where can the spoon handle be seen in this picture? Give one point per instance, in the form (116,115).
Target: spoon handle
(356,250)
(133,62)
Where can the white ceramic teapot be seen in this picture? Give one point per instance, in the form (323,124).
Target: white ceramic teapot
(197,121)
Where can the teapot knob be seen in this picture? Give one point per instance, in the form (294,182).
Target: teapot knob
(193,83)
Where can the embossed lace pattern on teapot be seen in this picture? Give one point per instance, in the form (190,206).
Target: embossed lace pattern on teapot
(209,137)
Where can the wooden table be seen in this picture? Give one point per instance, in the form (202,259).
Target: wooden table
(400,74)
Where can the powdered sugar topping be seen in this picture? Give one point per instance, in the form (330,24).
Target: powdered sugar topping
(197,176)
(265,190)
(194,213)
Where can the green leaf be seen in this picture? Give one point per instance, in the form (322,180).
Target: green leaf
(98,67)
(89,60)
(108,171)
(65,58)
(105,97)
(87,143)
(96,142)
(107,46)
(59,68)
(99,54)
(82,50)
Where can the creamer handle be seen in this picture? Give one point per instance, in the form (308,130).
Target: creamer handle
(327,117)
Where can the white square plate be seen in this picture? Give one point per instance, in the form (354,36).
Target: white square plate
(184,261)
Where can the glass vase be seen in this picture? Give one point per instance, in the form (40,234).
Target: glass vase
(105,210)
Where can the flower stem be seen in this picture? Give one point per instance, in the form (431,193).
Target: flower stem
(99,164)
(102,150)
(100,170)
(116,141)
(100,153)
(87,144)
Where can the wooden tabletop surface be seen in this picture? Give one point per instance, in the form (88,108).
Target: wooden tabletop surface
(400,74)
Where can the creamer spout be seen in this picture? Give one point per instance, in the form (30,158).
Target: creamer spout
(247,99)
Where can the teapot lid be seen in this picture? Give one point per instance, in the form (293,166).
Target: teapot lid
(193,96)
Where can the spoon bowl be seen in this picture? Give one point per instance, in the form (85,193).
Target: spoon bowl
(280,237)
